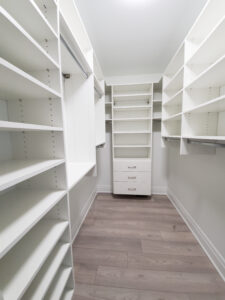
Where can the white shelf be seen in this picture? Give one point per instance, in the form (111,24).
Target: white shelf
(15,171)
(157,101)
(40,29)
(176,82)
(133,95)
(108,120)
(20,210)
(174,100)
(137,107)
(15,126)
(28,256)
(98,86)
(76,171)
(67,295)
(108,103)
(43,280)
(173,117)
(56,289)
(213,76)
(176,62)
(132,119)
(132,132)
(24,85)
(215,105)
(172,136)
(204,137)
(132,146)
(21,48)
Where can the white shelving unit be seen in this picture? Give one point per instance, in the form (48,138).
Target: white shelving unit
(108,104)
(195,110)
(157,101)
(132,107)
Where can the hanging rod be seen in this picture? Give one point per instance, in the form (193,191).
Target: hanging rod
(208,143)
(74,56)
(171,139)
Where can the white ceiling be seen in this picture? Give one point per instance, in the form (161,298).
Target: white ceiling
(132,37)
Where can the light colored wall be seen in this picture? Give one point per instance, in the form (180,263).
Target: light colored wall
(196,184)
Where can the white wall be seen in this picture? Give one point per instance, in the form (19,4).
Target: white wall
(104,158)
(196,184)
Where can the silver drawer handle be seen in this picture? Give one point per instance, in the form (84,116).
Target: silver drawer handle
(132,177)
(129,189)
(131,167)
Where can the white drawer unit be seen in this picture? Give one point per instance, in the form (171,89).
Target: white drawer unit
(132,138)
(132,188)
(144,177)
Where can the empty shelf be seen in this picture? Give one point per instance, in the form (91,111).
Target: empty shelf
(132,119)
(132,146)
(67,295)
(133,95)
(137,107)
(21,48)
(76,171)
(20,210)
(132,132)
(175,99)
(176,82)
(15,126)
(24,85)
(59,283)
(25,260)
(15,171)
(42,281)
(33,20)
(174,117)
(215,105)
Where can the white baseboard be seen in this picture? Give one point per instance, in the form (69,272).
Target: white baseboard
(83,214)
(213,254)
(104,188)
(159,190)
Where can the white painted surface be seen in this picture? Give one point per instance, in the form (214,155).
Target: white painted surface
(197,182)
(138,37)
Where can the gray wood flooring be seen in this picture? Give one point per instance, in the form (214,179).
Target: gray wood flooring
(140,249)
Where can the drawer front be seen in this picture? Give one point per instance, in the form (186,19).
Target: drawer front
(132,165)
(132,177)
(132,188)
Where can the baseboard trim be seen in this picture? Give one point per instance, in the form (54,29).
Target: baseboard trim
(84,213)
(104,189)
(213,254)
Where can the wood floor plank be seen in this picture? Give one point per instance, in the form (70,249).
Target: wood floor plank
(101,257)
(178,237)
(173,263)
(120,232)
(136,248)
(106,243)
(162,281)
(173,248)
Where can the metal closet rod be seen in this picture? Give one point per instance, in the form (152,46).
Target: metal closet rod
(73,55)
(172,139)
(208,143)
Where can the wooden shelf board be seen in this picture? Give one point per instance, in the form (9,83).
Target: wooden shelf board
(15,126)
(176,81)
(45,277)
(25,260)
(67,295)
(133,107)
(132,132)
(20,211)
(21,48)
(34,21)
(215,105)
(213,76)
(58,285)
(132,146)
(15,171)
(175,117)
(77,171)
(24,86)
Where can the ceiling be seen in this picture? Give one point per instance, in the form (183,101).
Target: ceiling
(132,37)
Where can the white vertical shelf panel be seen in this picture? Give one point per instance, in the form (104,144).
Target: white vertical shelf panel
(25,260)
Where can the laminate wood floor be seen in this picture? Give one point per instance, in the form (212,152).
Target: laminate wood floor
(132,248)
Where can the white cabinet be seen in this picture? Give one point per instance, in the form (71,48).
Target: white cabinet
(132,113)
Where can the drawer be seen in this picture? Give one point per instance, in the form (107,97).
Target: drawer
(132,177)
(132,188)
(132,165)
